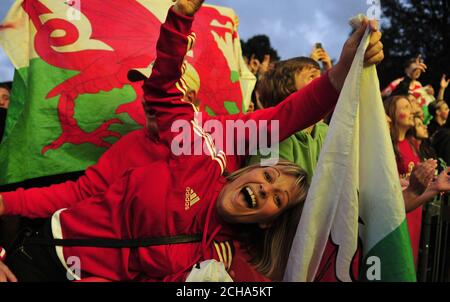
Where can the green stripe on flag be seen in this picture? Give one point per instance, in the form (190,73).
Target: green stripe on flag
(18,95)
(393,255)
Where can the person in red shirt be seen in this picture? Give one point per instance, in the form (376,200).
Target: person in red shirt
(190,194)
(399,111)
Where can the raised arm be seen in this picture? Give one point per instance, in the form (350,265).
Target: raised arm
(43,202)
(443,87)
(299,111)
(308,105)
(165,88)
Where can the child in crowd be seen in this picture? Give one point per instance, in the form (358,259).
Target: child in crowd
(285,78)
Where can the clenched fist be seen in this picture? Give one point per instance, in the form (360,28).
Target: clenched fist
(374,53)
(187,7)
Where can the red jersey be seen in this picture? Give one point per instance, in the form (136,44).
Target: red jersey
(172,197)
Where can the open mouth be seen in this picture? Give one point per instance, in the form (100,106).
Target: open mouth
(249,197)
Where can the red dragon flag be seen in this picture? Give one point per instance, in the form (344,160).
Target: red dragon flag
(71,96)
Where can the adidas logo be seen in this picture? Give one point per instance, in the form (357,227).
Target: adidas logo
(191,199)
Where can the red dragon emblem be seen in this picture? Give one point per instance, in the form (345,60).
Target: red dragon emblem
(131,31)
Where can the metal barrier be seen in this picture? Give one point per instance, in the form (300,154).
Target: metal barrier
(434,261)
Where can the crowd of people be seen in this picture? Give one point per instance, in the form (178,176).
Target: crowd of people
(143,214)
(418,123)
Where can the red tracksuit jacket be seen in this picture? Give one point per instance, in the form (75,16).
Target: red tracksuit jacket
(166,198)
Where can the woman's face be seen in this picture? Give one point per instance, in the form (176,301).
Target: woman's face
(258,196)
(403,114)
(421,129)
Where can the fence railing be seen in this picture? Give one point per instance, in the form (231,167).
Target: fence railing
(434,262)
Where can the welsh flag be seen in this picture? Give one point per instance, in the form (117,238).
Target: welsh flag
(355,197)
(71,98)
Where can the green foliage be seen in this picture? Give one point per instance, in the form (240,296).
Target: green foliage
(259,46)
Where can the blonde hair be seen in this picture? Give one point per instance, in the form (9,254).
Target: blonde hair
(269,248)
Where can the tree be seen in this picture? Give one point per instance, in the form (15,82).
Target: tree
(413,27)
(259,46)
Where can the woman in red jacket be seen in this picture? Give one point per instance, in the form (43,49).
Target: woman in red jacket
(188,194)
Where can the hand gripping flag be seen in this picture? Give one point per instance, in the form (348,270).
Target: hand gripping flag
(355,193)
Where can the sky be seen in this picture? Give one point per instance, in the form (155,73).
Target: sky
(293,26)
